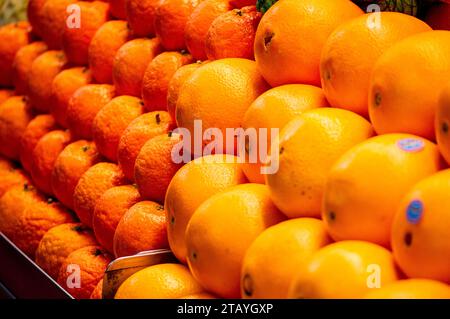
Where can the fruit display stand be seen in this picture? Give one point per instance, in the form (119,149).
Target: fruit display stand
(20,277)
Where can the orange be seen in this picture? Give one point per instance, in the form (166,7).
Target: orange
(130,63)
(442,123)
(347,269)
(84,106)
(232,34)
(64,86)
(198,24)
(359,200)
(437,16)
(75,41)
(141,228)
(419,232)
(291,35)
(118,8)
(203,177)
(226,86)
(171,17)
(91,264)
(395,102)
(59,242)
(277,254)
(22,65)
(274,109)
(44,157)
(52,21)
(43,70)
(11,176)
(70,165)
(157,77)
(91,186)
(13,36)
(36,220)
(34,15)
(139,131)
(411,289)
(103,48)
(97,293)
(154,166)
(308,147)
(112,120)
(15,114)
(175,84)
(109,209)
(36,128)
(5,94)
(159,282)
(12,205)
(360,42)
(238,214)
(141,16)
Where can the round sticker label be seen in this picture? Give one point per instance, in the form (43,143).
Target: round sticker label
(411,144)
(414,211)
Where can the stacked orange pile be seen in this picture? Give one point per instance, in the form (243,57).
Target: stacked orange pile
(94,89)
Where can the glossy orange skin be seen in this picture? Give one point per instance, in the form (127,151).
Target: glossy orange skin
(91,186)
(170,21)
(22,65)
(141,16)
(103,47)
(44,157)
(13,36)
(139,131)
(75,41)
(36,128)
(232,34)
(43,70)
(15,114)
(157,76)
(109,209)
(284,59)
(84,106)
(70,165)
(92,261)
(130,63)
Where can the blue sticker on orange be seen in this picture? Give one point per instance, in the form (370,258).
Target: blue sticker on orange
(411,144)
(414,211)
